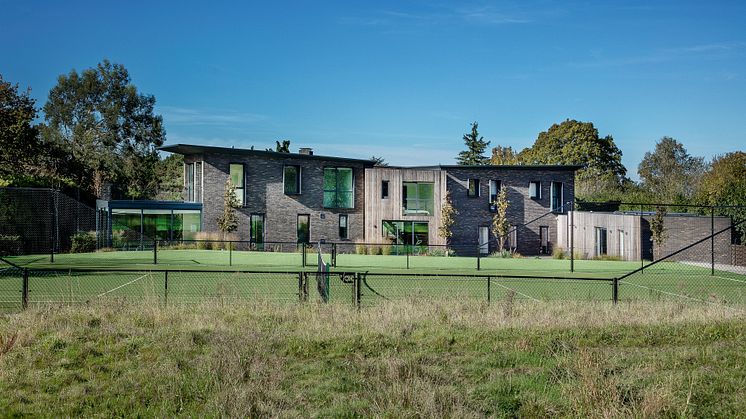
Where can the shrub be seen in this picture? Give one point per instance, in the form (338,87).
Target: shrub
(558,253)
(386,250)
(360,249)
(438,252)
(83,242)
(607,257)
(10,245)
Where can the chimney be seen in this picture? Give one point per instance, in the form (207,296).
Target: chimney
(306,150)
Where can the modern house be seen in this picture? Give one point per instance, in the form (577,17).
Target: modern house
(302,197)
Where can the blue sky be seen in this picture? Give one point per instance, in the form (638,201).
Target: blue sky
(403,79)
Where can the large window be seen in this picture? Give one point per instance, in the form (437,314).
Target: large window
(417,198)
(534,190)
(189,181)
(344,231)
(256,230)
(338,188)
(291,179)
(237,179)
(304,228)
(556,197)
(473,190)
(409,233)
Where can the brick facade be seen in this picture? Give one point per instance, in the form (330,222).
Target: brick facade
(474,212)
(264,194)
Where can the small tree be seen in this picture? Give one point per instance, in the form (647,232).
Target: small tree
(658,229)
(500,225)
(228,221)
(448,217)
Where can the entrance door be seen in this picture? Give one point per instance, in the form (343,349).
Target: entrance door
(600,241)
(484,240)
(544,240)
(256,233)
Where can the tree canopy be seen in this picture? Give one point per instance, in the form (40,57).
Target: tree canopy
(575,142)
(108,128)
(504,155)
(725,184)
(669,173)
(19,141)
(475,148)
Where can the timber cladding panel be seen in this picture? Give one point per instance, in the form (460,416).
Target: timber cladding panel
(265,195)
(378,209)
(528,213)
(622,234)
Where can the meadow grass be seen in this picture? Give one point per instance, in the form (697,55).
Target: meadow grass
(411,357)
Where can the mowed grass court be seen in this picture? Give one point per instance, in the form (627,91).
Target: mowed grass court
(200,275)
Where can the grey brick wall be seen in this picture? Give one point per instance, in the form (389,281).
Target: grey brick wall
(265,195)
(474,212)
(681,231)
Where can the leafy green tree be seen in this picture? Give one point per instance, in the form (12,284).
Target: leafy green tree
(107,128)
(19,139)
(280,147)
(725,184)
(228,221)
(170,177)
(504,156)
(658,230)
(500,224)
(475,148)
(575,142)
(669,173)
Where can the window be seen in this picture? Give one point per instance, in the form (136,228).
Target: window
(343,230)
(237,179)
(291,179)
(621,244)
(484,240)
(473,188)
(189,181)
(198,181)
(544,240)
(601,234)
(417,198)
(556,197)
(494,189)
(384,189)
(406,233)
(534,190)
(512,242)
(304,228)
(338,188)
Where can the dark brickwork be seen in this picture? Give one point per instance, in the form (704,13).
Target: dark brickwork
(265,195)
(681,231)
(474,211)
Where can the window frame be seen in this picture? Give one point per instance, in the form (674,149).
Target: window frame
(251,227)
(297,228)
(240,191)
(298,180)
(538,189)
(336,189)
(498,185)
(384,189)
(477,187)
(414,211)
(346,227)
(189,185)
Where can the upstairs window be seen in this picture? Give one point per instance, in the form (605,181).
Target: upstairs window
(494,189)
(384,189)
(189,181)
(237,179)
(473,190)
(556,197)
(417,198)
(534,190)
(291,179)
(338,188)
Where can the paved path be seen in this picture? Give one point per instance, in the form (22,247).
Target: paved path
(719,266)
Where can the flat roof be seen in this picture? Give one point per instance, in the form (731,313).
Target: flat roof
(147,204)
(199,149)
(572,167)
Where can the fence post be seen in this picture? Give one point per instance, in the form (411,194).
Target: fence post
(615,290)
(334,254)
(572,237)
(303,254)
(712,241)
(408,250)
(155,251)
(489,289)
(479,257)
(230,253)
(54,228)
(24,291)
(358,291)
(165,289)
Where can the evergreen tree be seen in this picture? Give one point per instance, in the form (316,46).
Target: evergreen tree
(475,148)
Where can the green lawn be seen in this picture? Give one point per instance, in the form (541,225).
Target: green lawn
(388,278)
